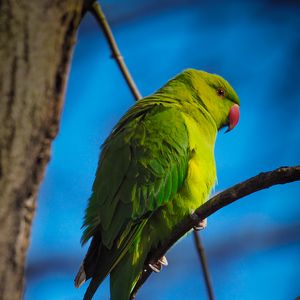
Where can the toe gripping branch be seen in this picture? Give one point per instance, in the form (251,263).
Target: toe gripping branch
(157,266)
(199,224)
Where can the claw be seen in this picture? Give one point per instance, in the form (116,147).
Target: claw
(163,261)
(157,266)
(201,225)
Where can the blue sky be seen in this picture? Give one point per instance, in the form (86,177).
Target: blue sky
(253,245)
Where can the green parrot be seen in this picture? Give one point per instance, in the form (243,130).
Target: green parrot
(156,167)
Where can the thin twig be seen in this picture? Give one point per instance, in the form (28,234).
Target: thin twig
(261,181)
(99,15)
(204,264)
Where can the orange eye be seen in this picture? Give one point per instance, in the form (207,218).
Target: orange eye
(221,93)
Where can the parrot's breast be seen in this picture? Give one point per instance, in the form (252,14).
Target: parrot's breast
(201,174)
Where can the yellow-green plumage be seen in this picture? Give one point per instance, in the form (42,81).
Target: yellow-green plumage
(156,167)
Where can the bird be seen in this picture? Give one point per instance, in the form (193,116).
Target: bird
(155,168)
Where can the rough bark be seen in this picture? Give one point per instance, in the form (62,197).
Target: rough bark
(36,39)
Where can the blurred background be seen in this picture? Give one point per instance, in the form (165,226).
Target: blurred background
(253,245)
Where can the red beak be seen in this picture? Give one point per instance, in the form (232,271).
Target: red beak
(233,117)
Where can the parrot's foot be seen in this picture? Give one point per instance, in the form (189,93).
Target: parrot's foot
(157,266)
(201,224)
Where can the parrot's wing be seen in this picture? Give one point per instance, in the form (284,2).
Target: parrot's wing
(142,166)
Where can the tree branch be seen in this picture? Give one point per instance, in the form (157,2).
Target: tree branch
(33,71)
(261,181)
(203,262)
(100,17)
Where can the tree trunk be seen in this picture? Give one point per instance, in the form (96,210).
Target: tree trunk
(36,40)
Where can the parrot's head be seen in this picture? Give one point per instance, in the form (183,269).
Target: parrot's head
(216,96)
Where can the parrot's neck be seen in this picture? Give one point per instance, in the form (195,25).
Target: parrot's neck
(177,93)
(205,121)
(188,102)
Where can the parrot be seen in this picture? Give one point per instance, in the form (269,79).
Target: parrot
(156,168)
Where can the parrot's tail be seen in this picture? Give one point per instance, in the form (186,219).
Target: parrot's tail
(97,264)
(100,261)
(88,266)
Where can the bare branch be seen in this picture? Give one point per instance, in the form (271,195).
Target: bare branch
(204,264)
(261,181)
(99,15)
